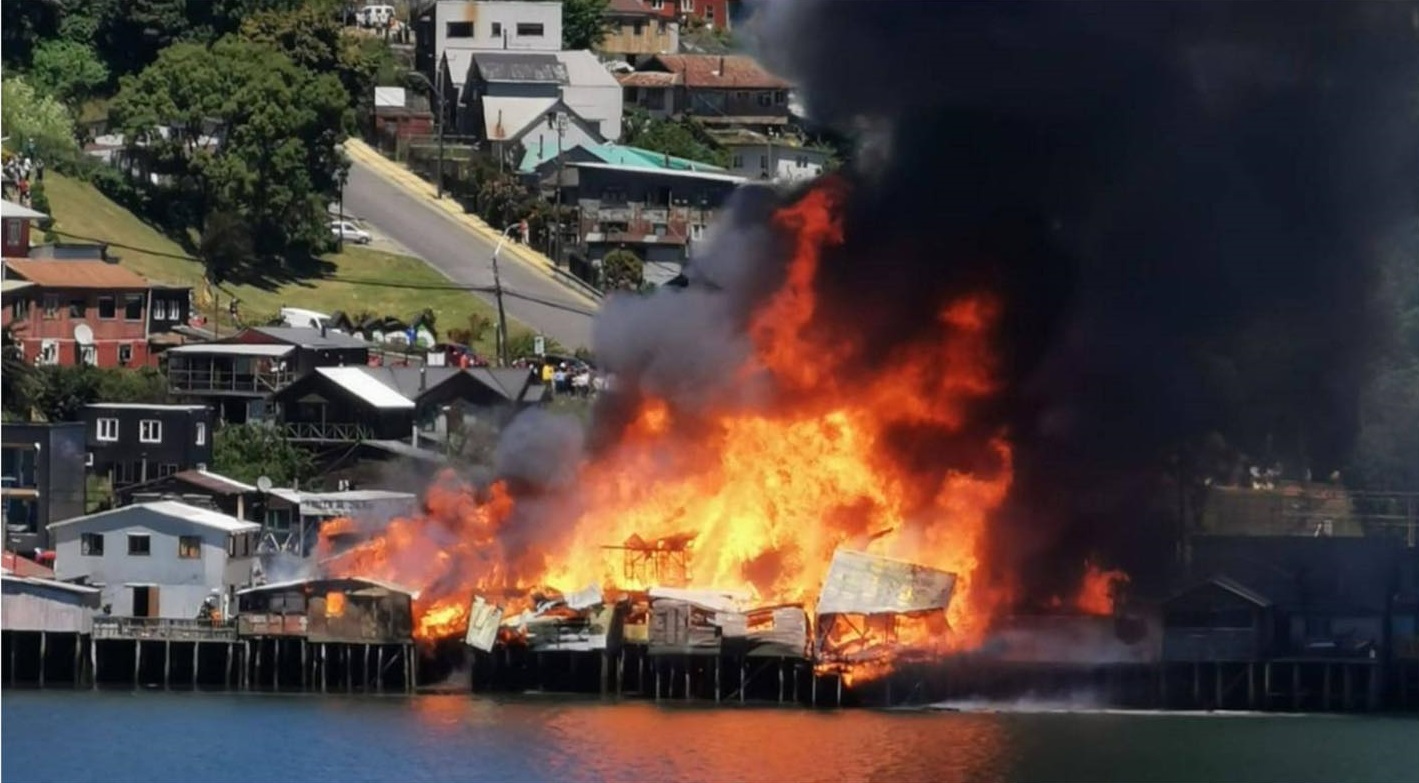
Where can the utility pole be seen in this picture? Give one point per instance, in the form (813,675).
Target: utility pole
(498,296)
(558,121)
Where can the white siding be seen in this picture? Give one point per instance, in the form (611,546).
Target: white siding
(182,583)
(29,607)
(593,92)
(507,13)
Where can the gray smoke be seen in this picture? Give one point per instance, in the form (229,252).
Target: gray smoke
(1180,203)
(539,450)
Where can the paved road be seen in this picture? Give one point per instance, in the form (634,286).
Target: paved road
(429,233)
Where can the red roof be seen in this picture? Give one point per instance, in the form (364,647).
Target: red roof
(628,8)
(714,71)
(23,566)
(75,274)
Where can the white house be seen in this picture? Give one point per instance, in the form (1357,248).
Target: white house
(485,25)
(758,157)
(592,92)
(160,559)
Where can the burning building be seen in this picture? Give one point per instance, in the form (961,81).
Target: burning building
(1075,242)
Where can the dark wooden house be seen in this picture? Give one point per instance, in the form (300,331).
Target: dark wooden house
(134,443)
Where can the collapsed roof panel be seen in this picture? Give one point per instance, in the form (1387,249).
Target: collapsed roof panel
(864,584)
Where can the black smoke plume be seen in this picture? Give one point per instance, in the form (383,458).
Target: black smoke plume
(1181,205)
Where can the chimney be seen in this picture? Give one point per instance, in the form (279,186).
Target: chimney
(721,66)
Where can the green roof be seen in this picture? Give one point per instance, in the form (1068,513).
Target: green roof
(618,155)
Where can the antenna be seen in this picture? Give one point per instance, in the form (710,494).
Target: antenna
(264,484)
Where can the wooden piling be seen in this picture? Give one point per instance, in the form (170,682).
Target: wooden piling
(260,656)
(349,672)
(605,672)
(305,683)
(1296,686)
(276,663)
(78,660)
(13,644)
(1219,687)
(196,663)
(227,672)
(137,661)
(42,650)
(1251,685)
(743,679)
(656,666)
(94,660)
(1326,687)
(323,676)
(688,664)
(1347,674)
(364,669)
(379,669)
(780,680)
(1266,685)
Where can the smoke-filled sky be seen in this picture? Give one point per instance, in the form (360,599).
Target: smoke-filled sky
(1184,201)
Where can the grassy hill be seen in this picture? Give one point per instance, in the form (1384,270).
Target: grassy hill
(359,278)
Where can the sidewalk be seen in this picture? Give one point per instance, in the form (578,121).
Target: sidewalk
(407,180)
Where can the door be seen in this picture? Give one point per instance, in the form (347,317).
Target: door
(145,601)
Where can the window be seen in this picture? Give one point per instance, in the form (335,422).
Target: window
(77,308)
(125,472)
(737,162)
(201,431)
(766,99)
(189,547)
(638,27)
(613,196)
(660,27)
(659,229)
(51,306)
(497,29)
(801,161)
(709,15)
(166,469)
(49,352)
(12,232)
(107,310)
(656,5)
(139,545)
(125,353)
(780,97)
(150,431)
(697,231)
(133,307)
(91,544)
(160,310)
(88,354)
(763,162)
(458,30)
(686,6)
(529,30)
(20,308)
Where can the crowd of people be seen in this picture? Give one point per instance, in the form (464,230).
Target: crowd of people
(19,170)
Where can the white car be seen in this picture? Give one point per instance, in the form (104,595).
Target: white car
(349,232)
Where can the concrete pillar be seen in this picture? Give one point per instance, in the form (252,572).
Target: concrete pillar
(260,654)
(657,680)
(688,664)
(276,664)
(605,672)
(349,673)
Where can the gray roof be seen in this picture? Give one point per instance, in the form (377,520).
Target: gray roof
(585,70)
(509,381)
(307,337)
(405,380)
(518,67)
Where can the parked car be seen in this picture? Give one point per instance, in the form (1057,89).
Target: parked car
(349,232)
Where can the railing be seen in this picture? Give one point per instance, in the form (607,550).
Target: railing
(163,629)
(327,432)
(182,380)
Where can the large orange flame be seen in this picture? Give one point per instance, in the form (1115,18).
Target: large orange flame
(767,493)
(1099,590)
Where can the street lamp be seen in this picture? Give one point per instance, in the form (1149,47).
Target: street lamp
(558,121)
(498,296)
(439,98)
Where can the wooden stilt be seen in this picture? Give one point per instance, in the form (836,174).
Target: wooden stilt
(657,677)
(323,675)
(365,670)
(1296,687)
(1218,686)
(78,660)
(743,681)
(1326,687)
(196,663)
(276,663)
(304,670)
(620,671)
(94,660)
(688,664)
(227,671)
(413,654)
(1347,673)
(840,689)
(718,664)
(349,670)
(1251,686)
(43,640)
(780,680)
(813,684)
(260,655)
(14,642)
(1266,685)
(137,662)
(379,669)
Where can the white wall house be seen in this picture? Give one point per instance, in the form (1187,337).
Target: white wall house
(160,559)
(485,25)
(779,162)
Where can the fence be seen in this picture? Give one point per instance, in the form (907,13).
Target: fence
(163,629)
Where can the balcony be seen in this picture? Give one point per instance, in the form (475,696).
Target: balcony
(204,381)
(162,629)
(325,432)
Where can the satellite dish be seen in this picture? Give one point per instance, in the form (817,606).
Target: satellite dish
(83,334)
(264,484)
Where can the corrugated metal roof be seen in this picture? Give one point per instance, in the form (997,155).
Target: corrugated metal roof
(175,510)
(51,584)
(349,496)
(390,586)
(53,273)
(713,600)
(213,482)
(10,209)
(15,285)
(649,79)
(307,337)
(143,406)
(519,67)
(619,155)
(860,583)
(507,118)
(727,71)
(705,175)
(583,69)
(359,383)
(232,349)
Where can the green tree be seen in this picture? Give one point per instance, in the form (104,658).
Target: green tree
(622,270)
(70,72)
(247,452)
(26,115)
(14,374)
(315,40)
(680,138)
(584,23)
(277,163)
(140,385)
(59,393)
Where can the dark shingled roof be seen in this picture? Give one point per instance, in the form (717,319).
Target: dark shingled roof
(517,67)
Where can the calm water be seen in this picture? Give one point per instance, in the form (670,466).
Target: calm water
(149,737)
